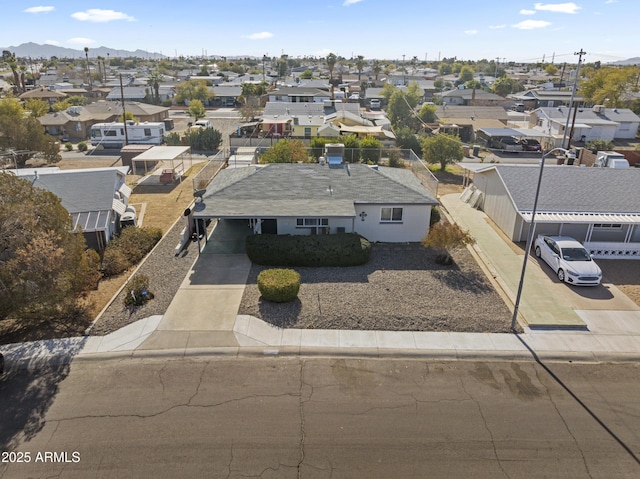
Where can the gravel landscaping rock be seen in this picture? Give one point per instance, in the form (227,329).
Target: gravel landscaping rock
(400,289)
(166,273)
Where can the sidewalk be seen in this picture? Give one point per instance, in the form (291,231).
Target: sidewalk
(202,319)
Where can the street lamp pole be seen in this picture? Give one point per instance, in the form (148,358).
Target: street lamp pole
(514,319)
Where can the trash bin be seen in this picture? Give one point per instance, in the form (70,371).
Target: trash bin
(465,150)
(476,150)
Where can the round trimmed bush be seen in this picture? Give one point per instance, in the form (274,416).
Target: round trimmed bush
(279,285)
(68,145)
(82,146)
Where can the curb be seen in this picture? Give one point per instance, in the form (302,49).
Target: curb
(586,357)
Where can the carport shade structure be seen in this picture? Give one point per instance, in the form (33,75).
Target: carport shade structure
(174,154)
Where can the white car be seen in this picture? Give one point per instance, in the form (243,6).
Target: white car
(569,259)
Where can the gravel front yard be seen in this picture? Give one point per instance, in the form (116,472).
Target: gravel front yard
(400,288)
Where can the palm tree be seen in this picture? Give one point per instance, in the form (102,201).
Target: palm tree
(359,65)
(331,63)
(86,54)
(154,82)
(377,68)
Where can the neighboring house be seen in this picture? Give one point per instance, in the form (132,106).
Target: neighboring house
(600,207)
(106,111)
(225,95)
(469,119)
(381,204)
(590,123)
(545,98)
(129,93)
(75,122)
(470,97)
(42,93)
(94,198)
(299,95)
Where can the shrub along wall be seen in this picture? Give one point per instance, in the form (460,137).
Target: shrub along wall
(347,249)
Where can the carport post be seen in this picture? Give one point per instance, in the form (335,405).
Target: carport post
(514,319)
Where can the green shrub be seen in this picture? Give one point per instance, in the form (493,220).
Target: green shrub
(68,145)
(128,249)
(435,216)
(345,249)
(279,285)
(114,262)
(137,291)
(395,161)
(599,145)
(370,150)
(173,139)
(82,146)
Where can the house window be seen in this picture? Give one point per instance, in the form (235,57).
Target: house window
(606,226)
(391,215)
(307,222)
(307,132)
(317,226)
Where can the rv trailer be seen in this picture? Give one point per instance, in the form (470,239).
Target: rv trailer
(111,135)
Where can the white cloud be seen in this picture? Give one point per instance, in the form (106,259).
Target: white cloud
(80,41)
(350,2)
(531,24)
(496,27)
(260,36)
(558,7)
(100,16)
(610,1)
(52,42)
(470,32)
(39,9)
(527,12)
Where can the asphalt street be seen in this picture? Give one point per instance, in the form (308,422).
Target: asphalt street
(320,417)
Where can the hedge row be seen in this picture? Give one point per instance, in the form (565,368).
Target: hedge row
(348,249)
(128,248)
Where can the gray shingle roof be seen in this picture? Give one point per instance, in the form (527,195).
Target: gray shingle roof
(574,189)
(308,190)
(80,191)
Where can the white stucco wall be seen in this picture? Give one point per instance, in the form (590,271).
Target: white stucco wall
(414,225)
(287,226)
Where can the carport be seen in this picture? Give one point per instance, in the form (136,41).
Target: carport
(178,158)
(491,136)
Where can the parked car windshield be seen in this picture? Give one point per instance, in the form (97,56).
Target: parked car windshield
(575,254)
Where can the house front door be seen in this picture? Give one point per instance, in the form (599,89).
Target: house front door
(270,226)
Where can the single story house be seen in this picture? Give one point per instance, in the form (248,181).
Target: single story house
(540,98)
(470,97)
(599,207)
(379,203)
(95,198)
(469,119)
(299,95)
(75,122)
(590,123)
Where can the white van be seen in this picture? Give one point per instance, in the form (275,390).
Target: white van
(375,104)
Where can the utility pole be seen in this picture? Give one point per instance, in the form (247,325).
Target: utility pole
(573,95)
(124,113)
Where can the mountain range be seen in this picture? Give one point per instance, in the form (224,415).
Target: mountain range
(35,50)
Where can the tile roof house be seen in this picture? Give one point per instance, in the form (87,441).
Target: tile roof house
(600,208)
(381,204)
(94,198)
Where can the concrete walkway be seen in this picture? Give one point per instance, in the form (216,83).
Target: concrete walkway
(202,319)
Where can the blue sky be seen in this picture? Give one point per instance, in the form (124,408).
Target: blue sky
(468,29)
